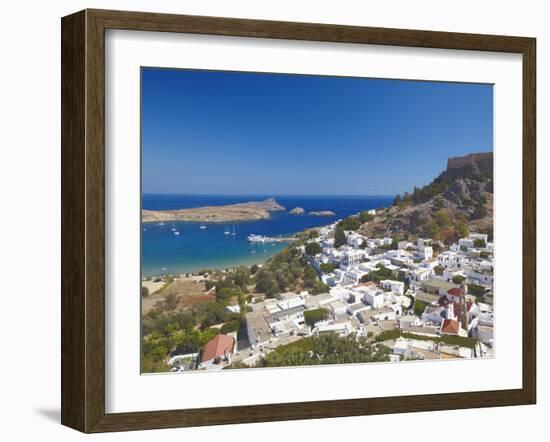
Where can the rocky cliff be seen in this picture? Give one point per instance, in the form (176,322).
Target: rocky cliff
(459,200)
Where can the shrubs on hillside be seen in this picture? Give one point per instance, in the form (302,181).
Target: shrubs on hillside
(281,272)
(325,349)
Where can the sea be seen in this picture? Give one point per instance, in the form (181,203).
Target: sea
(195,248)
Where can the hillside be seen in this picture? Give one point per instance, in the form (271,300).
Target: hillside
(459,200)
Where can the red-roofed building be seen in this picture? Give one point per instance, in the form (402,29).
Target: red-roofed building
(455,294)
(217,350)
(450,327)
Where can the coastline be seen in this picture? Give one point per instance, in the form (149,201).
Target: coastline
(196,248)
(249,261)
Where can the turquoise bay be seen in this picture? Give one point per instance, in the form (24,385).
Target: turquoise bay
(194,248)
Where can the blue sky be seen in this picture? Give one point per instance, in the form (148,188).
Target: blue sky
(206,132)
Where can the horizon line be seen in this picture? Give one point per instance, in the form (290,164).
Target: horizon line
(273,195)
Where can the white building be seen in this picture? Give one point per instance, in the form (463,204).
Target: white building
(337,307)
(342,328)
(394,286)
(424,251)
(352,257)
(372,296)
(421,274)
(354,239)
(450,258)
(433,314)
(354,309)
(353,276)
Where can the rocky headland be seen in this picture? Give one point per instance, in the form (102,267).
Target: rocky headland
(249,211)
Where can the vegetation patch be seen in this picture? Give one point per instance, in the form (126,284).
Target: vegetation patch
(446,339)
(325,349)
(313,316)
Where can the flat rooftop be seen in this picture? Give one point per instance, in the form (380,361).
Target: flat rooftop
(438,284)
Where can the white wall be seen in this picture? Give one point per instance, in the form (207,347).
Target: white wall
(30,194)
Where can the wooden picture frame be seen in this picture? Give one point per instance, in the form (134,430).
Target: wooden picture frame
(83,220)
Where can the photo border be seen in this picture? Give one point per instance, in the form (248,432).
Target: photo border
(83,219)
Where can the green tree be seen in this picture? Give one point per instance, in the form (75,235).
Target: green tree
(365,217)
(212,313)
(310,276)
(419,307)
(313,248)
(327,267)
(339,238)
(170,302)
(377,275)
(325,349)
(480,212)
(273,290)
(225,294)
(457,279)
(319,287)
(443,218)
(312,234)
(479,243)
(144,291)
(462,230)
(316,315)
(438,202)
(431,229)
(230,326)
(241,278)
(476,290)
(350,223)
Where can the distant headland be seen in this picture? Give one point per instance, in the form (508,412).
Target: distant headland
(249,211)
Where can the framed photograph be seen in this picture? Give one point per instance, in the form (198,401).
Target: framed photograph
(266,221)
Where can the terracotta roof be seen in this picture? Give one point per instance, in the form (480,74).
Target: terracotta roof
(450,327)
(367,284)
(455,291)
(217,347)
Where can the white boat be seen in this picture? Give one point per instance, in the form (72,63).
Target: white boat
(253,252)
(233,233)
(226,231)
(176,232)
(161,224)
(256,238)
(202,227)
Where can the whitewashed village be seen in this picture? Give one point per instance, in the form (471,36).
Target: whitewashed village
(419,304)
(411,281)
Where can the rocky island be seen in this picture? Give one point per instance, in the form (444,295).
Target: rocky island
(249,211)
(322,213)
(297,211)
